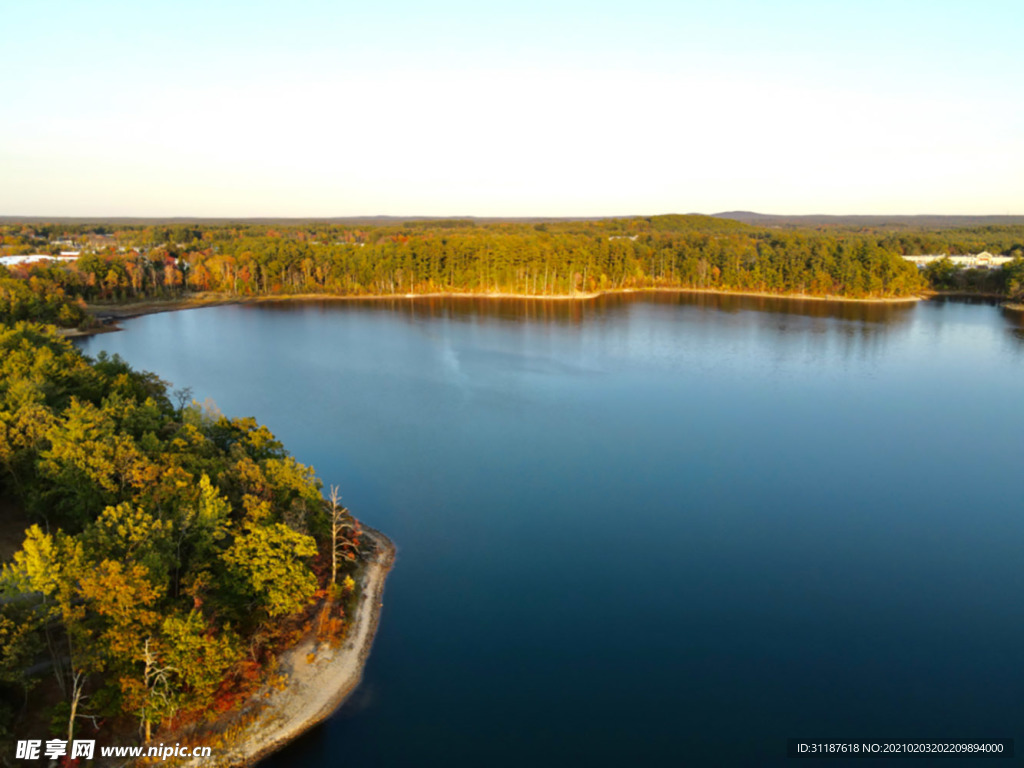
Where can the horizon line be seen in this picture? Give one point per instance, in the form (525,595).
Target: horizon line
(14,218)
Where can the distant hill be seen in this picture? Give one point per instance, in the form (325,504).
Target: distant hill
(658,222)
(925,221)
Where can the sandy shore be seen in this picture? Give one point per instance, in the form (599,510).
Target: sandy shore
(74,333)
(787,296)
(318,678)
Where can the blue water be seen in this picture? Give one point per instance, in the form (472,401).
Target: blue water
(671,530)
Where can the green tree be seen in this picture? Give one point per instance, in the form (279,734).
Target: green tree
(267,565)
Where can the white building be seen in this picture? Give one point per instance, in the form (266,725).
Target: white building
(8,261)
(983,260)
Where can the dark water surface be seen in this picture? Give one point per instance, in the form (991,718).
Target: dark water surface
(671,530)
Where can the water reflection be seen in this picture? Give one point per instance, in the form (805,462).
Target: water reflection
(799,328)
(1015,320)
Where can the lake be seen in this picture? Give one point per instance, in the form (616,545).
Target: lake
(672,529)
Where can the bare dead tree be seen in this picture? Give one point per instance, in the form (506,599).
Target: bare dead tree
(156,680)
(341,522)
(77,684)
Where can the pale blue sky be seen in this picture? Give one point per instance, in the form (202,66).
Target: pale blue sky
(526,108)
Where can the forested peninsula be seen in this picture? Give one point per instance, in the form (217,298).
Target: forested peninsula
(137,263)
(158,557)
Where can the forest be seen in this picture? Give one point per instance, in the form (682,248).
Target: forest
(557,258)
(166,551)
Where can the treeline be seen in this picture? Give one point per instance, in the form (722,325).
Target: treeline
(548,264)
(169,544)
(547,259)
(543,259)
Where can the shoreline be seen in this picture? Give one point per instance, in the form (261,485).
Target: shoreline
(110,314)
(319,678)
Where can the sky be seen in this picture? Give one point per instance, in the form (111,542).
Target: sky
(554,108)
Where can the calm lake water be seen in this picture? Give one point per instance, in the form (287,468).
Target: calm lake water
(670,530)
